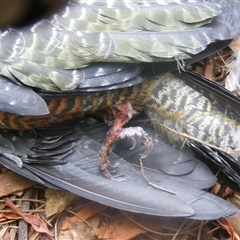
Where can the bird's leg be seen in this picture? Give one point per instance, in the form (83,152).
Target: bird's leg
(119,118)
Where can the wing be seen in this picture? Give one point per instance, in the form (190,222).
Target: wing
(53,54)
(56,55)
(49,54)
(68,159)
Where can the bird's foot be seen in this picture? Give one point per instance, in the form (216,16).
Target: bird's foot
(131,132)
(122,116)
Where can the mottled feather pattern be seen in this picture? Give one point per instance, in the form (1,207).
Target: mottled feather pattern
(49,54)
(166,99)
(181,108)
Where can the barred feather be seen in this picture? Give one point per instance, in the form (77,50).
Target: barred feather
(181,108)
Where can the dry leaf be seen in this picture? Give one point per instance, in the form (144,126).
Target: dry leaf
(2,218)
(81,230)
(235,200)
(2,205)
(11,216)
(229,229)
(235,220)
(57,201)
(94,221)
(235,44)
(37,224)
(86,212)
(77,231)
(227,191)
(208,67)
(12,183)
(121,227)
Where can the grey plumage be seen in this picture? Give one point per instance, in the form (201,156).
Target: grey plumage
(67,159)
(56,55)
(45,54)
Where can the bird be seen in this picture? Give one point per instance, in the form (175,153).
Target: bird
(105,57)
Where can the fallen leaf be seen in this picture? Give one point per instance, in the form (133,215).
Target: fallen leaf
(229,229)
(77,231)
(2,218)
(37,224)
(11,216)
(227,191)
(2,205)
(94,221)
(86,212)
(208,67)
(57,201)
(121,227)
(12,183)
(234,221)
(235,44)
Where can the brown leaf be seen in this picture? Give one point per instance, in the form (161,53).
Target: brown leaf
(77,231)
(11,216)
(86,212)
(229,229)
(208,68)
(12,183)
(2,205)
(57,201)
(38,224)
(227,191)
(234,221)
(2,218)
(235,44)
(121,227)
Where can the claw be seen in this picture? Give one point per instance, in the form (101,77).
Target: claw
(130,132)
(147,151)
(133,139)
(105,167)
(113,167)
(147,141)
(116,132)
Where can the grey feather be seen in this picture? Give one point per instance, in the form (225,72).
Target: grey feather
(114,32)
(78,172)
(20,100)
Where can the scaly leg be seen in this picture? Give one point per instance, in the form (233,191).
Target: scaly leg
(116,132)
